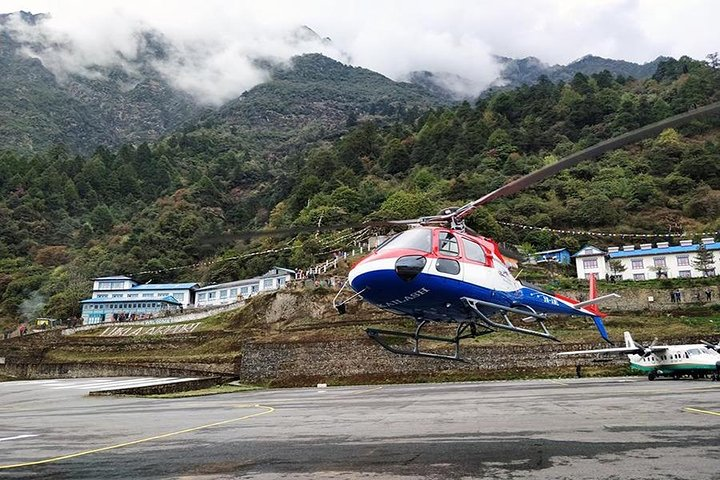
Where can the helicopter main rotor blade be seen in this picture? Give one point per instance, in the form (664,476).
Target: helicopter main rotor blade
(586,154)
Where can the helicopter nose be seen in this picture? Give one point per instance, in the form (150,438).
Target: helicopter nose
(410,266)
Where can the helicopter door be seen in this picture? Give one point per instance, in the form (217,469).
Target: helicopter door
(448,256)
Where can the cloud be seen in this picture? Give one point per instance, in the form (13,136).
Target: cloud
(214,44)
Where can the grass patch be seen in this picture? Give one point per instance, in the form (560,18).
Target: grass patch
(216,390)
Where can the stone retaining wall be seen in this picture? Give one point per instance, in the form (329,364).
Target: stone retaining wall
(649,299)
(363,360)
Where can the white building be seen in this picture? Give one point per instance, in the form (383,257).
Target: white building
(121,297)
(231,292)
(646,262)
(589,261)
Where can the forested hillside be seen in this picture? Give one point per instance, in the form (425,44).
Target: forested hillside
(65,218)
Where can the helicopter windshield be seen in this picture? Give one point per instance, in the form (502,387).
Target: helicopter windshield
(414,239)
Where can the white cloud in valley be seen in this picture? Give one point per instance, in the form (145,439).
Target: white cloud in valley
(215,44)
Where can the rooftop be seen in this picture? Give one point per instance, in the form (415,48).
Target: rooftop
(167,299)
(164,286)
(663,250)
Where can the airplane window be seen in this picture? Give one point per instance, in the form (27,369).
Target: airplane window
(415,239)
(473,251)
(448,266)
(448,244)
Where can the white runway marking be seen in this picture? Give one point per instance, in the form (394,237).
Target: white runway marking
(16,437)
(106,383)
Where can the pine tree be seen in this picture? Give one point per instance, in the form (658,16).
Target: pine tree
(704,261)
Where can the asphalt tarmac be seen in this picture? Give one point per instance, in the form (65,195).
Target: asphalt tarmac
(548,429)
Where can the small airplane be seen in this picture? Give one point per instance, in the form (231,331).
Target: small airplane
(696,360)
(441,271)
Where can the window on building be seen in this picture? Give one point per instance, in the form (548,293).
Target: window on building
(223,293)
(683,261)
(132,295)
(212,295)
(233,292)
(117,295)
(448,244)
(473,251)
(637,264)
(659,262)
(254,288)
(102,295)
(638,276)
(589,263)
(267,283)
(201,296)
(147,295)
(244,290)
(281,281)
(180,297)
(684,274)
(105,285)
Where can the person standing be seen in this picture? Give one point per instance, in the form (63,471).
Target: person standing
(708,294)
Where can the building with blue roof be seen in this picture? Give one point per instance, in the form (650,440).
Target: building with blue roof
(231,292)
(559,255)
(647,262)
(121,298)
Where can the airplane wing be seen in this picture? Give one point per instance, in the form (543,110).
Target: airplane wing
(618,350)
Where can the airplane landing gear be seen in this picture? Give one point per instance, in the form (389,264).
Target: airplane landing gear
(652,376)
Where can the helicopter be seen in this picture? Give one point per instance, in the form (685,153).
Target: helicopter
(441,271)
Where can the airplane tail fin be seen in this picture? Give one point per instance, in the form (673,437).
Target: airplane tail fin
(629,342)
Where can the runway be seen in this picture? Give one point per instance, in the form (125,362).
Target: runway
(575,429)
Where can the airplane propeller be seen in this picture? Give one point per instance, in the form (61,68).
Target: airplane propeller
(645,351)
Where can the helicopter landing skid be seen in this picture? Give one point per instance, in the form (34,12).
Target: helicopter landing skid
(526,311)
(460,334)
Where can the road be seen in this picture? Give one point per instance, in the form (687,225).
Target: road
(554,429)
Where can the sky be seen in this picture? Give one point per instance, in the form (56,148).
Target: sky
(216,42)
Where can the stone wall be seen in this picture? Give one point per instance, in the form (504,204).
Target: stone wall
(362,360)
(649,300)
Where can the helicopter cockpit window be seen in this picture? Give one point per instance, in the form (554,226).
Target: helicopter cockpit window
(473,251)
(415,239)
(448,244)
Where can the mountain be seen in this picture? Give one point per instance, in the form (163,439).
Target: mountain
(39,109)
(516,72)
(307,98)
(311,98)
(527,71)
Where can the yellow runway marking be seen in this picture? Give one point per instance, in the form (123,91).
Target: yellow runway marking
(697,410)
(142,440)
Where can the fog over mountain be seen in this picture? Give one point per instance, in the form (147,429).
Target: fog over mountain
(215,50)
